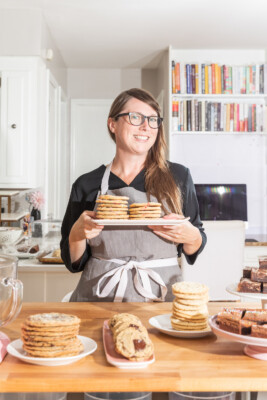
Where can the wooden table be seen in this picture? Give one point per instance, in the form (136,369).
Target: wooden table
(205,364)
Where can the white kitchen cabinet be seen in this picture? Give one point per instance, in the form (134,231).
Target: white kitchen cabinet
(22,121)
(14,127)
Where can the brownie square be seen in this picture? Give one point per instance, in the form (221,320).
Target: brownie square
(247,272)
(259,274)
(264,288)
(259,316)
(263,262)
(259,330)
(229,325)
(245,327)
(247,286)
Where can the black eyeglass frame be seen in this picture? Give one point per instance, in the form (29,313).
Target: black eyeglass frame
(160,119)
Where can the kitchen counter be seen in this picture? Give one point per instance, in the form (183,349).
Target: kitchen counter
(205,364)
(261,240)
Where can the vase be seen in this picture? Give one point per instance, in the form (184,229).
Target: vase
(36,214)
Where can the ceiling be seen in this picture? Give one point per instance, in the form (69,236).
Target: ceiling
(133,33)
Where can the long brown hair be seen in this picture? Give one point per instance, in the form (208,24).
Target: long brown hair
(159,181)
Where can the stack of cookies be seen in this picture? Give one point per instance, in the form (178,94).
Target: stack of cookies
(51,335)
(190,311)
(145,210)
(112,207)
(130,337)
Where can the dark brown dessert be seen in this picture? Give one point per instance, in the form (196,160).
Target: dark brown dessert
(34,249)
(259,274)
(247,272)
(245,327)
(247,286)
(244,322)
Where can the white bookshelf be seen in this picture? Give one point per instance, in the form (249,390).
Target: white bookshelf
(220,156)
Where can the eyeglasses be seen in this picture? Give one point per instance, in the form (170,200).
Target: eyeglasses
(138,119)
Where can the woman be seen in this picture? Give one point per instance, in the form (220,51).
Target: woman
(122,263)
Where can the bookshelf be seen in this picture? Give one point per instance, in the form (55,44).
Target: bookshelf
(220,156)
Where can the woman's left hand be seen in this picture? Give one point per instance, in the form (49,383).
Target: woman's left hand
(185,233)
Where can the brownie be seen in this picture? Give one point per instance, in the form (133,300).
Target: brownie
(259,275)
(245,327)
(247,272)
(229,325)
(34,249)
(231,313)
(259,330)
(247,286)
(259,316)
(263,262)
(264,288)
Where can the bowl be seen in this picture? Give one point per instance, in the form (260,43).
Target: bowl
(9,235)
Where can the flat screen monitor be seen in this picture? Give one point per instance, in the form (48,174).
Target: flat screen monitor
(222,201)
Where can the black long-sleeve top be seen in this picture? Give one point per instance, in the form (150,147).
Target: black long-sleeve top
(83,196)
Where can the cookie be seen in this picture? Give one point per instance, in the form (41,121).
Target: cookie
(134,345)
(112,201)
(126,317)
(193,302)
(101,216)
(121,325)
(192,289)
(178,306)
(150,204)
(52,319)
(111,197)
(56,352)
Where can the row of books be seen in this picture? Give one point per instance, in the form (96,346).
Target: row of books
(218,79)
(195,115)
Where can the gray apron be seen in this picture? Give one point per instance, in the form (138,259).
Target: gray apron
(128,263)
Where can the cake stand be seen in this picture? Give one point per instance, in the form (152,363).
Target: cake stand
(232,288)
(255,347)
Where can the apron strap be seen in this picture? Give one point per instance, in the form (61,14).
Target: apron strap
(105,179)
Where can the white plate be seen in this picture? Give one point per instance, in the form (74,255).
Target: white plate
(20,254)
(138,222)
(163,324)
(235,337)
(15,349)
(232,288)
(116,359)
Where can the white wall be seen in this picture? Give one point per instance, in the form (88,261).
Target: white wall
(56,65)
(20,32)
(25,33)
(101,83)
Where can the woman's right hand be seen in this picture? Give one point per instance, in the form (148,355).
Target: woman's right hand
(85,228)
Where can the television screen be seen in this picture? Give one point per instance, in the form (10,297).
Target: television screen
(222,201)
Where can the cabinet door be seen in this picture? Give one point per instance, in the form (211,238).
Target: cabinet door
(14,137)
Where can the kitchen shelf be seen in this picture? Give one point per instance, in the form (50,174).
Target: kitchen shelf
(13,217)
(221,96)
(175,133)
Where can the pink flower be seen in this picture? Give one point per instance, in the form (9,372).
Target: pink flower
(37,200)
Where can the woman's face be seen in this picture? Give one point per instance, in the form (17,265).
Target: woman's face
(130,138)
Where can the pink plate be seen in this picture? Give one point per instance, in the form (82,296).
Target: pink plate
(116,359)
(255,347)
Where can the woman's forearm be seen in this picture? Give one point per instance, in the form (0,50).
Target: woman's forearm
(191,248)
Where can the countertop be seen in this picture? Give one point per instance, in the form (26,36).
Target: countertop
(261,240)
(204,364)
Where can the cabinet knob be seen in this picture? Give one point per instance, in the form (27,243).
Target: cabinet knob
(13,126)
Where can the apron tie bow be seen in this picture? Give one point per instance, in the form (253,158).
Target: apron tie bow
(143,272)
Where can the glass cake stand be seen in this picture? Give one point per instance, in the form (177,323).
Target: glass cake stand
(232,288)
(255,347)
